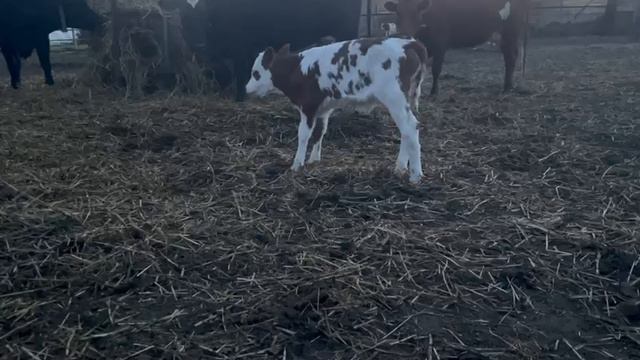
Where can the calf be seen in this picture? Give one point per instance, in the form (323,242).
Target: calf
(364,73)
(447,24)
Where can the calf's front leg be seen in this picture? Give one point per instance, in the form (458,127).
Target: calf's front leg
(304,133)
(317,134)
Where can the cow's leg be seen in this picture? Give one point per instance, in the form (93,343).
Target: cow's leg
(410,151)
(510,53)
(223,75)
(436,68)
(317,134)
(43,50)
(8,59)
(17,68)
(304,133)
(13,65)
(242,70)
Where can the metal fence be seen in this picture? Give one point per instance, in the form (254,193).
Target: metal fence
(68,39)
(543,14)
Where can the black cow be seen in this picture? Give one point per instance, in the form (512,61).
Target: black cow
(25,25)
(238,30)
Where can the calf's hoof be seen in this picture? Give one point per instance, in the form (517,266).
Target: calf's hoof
(296,168)
(15,86)
(49,82)
(400,171)
(415,177)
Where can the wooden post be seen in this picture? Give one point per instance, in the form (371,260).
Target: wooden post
(369,18)
(609,17)
(635,33)
(75,38)
(166,58)
(115,41)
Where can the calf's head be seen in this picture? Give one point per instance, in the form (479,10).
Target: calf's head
(261,82)
(409,14)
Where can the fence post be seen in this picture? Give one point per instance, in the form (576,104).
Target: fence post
(635,32)
(369,18)
(609,18)
(115,40)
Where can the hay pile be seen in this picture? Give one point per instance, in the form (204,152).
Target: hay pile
(170,228)
(143,50)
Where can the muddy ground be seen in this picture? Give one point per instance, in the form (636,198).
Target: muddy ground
(171,227)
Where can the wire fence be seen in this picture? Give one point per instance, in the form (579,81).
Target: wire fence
(544,13)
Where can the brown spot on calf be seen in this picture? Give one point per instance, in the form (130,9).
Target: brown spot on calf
(411,65)
(341,57)
(303,90)
(366,44)
(353,60)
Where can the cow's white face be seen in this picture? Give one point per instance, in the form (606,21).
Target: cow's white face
(261,83)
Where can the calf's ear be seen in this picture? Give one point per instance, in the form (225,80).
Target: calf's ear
(268,57)
(391,6)
(284,50)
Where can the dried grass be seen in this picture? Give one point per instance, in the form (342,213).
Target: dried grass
(171,227)
(150,52)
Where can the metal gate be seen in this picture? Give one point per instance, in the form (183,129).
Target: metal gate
(544,14)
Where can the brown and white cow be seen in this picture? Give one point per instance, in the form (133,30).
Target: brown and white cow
(450,24)
(360,73)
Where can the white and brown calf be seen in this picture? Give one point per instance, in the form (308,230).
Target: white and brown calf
(364,73)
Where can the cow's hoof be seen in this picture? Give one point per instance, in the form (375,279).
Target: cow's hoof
(15,86)
(296,168)
(49,82)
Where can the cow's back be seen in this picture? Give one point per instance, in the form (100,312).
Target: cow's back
(464,23)
(256,24)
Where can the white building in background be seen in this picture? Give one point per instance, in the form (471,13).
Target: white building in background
(62,38)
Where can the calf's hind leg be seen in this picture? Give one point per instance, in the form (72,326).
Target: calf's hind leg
(410,150)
